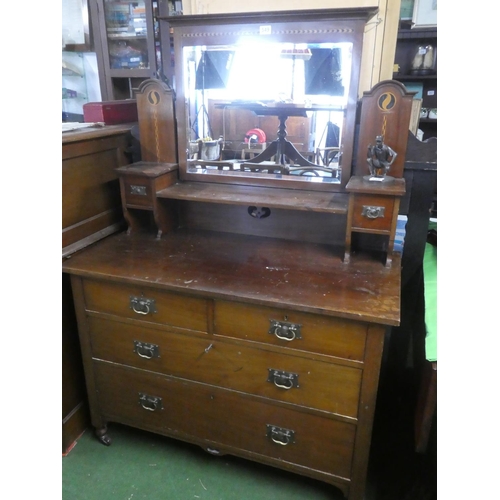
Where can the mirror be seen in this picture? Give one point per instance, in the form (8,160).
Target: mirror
(262,102)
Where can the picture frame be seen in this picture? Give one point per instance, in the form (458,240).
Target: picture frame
(424,14)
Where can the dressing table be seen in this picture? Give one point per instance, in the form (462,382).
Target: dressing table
(226,315)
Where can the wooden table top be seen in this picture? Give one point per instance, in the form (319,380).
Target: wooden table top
(264,271)
(84,134)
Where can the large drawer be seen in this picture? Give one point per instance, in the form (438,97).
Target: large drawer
(280,376)
(216,416)
(319,334)
(146,304)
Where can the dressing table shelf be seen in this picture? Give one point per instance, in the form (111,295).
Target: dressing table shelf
(302,200)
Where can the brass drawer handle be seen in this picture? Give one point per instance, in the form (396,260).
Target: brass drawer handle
(142,305)
(279,435)
(150,403)
(284,330)
(146,350)
(138,190)
(372,212)
(282,379)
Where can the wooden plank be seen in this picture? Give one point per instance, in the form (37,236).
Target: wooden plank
(316,201)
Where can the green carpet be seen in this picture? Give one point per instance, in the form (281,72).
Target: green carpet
(140,465)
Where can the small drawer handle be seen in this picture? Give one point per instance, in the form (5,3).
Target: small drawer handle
(285,331)
(142,305)
(150,403)
(146,350)
(282,379)
(372,212)
(138,190)
(279,435)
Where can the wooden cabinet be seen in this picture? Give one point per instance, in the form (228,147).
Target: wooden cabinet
(424,82)
(237,344)
(237,325)
(91,210)
(126,36)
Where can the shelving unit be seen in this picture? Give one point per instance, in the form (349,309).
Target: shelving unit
(408,42)
(127,43)
(74,86)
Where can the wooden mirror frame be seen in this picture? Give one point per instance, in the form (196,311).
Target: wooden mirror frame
(311,26)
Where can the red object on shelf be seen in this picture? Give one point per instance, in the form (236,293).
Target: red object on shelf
(255,135)
(110,112)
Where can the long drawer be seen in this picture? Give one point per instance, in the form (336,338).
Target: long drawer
(147,304)
(291,329)
(279,376)
(215,416)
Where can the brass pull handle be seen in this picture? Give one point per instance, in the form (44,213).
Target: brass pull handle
(150,403)
(285,331)
(283,380)
(279,435)
(146,350)
(372,212)
(142,305)
(145,309)
(284,386)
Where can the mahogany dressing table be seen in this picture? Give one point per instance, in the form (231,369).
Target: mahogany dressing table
(226,315)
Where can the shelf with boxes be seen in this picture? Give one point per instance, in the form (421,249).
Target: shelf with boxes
(127,42)
(415,66)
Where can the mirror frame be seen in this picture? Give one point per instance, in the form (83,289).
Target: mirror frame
(307,26)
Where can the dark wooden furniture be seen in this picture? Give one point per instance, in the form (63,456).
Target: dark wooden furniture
(91,194)
(91,210)
(419,203)
(281,148)
(126,41)
(270,33)
(233,123)
(140,181)
(263,348)
(375,199)
(238,326)
(373,209)
(409,39)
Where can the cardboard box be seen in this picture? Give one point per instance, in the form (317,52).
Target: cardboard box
(110,112)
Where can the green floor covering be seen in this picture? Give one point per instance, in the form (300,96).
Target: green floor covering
(140,465)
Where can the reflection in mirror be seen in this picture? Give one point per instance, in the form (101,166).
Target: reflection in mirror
(268,108)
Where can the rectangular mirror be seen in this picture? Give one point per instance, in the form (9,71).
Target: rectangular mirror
(268,99)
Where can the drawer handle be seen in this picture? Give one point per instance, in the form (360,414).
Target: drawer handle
(279,435)
(150,403)
(283,380)
(145,350)
(285,331)
(372,212)
(142,305)
(138,190)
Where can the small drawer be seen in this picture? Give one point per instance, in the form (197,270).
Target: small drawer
(373,212)
(294,330)
(138,191)
(216,417)
(291,379)
(146,304)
